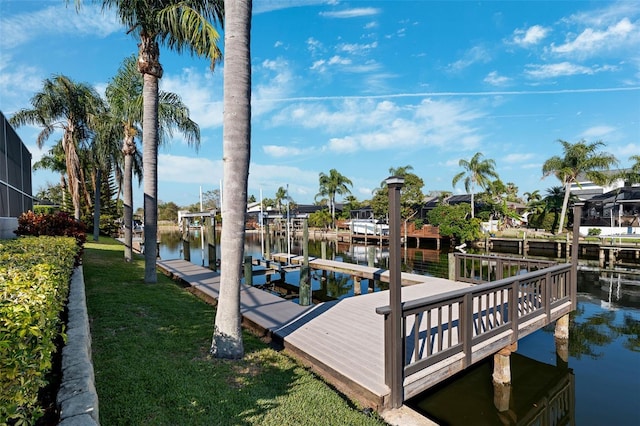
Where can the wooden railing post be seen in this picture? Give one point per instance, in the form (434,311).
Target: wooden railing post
(572,288)
(467,323)
(548,292)
(396,345)
(514,298)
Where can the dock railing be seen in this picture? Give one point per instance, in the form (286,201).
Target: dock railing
(477,269)
(462,327)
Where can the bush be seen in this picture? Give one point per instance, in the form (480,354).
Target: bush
(34,284)
(108,225)
(60,224)
(418,223)
(594,232)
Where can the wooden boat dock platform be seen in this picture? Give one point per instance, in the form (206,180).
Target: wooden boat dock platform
(342,340)
(448,325)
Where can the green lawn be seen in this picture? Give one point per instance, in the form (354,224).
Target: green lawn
(150,354)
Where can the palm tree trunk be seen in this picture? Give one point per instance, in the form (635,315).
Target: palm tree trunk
(96,206)
(150,175)
(227,334)
(73,172)
(473,206)
(128,200)
(565,202)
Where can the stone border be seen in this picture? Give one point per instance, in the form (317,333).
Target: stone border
(77,397)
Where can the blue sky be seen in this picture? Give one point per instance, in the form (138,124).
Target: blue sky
(362,86)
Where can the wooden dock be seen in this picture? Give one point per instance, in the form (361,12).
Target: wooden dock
(342,340)
(448,325)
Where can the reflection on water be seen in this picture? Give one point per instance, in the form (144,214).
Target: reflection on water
(599,385)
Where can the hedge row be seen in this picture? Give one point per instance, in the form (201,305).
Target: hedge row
(34,285)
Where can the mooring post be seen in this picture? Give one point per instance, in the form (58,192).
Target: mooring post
(248,270)
(305,276)
(267,242)
(371,259)
(451,257)
(186,251)
(323,250)
(502,366)
(394,362)
(211,242)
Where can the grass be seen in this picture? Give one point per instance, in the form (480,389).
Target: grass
(150,347)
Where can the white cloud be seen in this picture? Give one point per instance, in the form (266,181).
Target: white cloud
(22,28)
(556,70)
(494,79)
(592,40)
(351,13)
(597,132)
(357,49)
(314,46)
(531,36)
(282,151)
(517,158)
(176,168)
(476,54)
(382,125)
(201,92)
(624,152)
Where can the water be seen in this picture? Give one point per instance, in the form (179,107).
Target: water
(599,384)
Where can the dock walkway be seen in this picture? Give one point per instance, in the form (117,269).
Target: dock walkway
(341,340)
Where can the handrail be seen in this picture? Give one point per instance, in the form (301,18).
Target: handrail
(475,269)
(440,326)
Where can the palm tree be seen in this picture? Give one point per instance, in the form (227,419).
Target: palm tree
(476,172)
(124,95)
(227,334)
(181,25)
(632,176)
(579,159)
(281,194)
(553,202)
(330,185)
(65,105)
(54,161)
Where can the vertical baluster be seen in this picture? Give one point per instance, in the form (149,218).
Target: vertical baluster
(449,324)
(440,329)
(416,337)
(429,345)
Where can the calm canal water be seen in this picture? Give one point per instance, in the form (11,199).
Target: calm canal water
(599,385)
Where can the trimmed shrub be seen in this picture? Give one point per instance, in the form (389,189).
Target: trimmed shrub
(594,232)
(34,285)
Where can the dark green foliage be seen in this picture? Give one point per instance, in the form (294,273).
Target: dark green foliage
(108,225)
(320,219)
(454,222)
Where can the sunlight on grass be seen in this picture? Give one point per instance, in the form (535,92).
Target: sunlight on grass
(152,367)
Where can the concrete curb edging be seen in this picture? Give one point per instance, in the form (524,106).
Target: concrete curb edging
(77,397)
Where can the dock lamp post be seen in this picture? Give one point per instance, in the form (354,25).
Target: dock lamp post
(394,346)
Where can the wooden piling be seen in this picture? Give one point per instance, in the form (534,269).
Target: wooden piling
(248,270)
(305,275)
(186,250)
(211,242)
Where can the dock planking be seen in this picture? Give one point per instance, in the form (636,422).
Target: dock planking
(341,340)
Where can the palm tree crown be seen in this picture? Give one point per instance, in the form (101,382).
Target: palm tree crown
(578,159)
(181,25)
(65,105)
(477,172)
(331,185)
